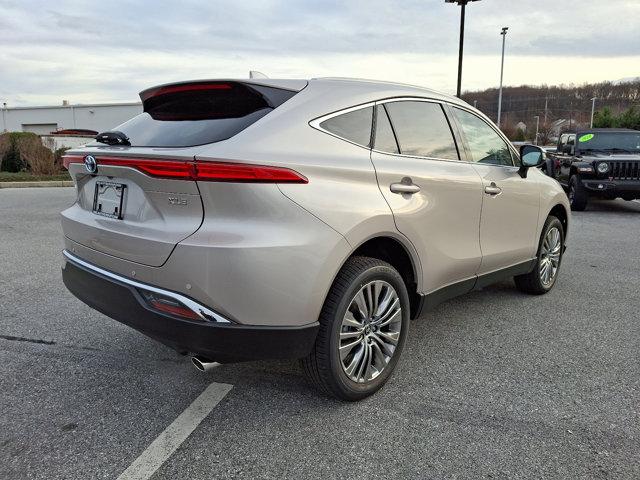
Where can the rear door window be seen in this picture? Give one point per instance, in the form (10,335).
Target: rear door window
(354,126)
(422,129)
(185,115)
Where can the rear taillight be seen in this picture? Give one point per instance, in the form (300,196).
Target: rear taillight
(239,172)
(199,171)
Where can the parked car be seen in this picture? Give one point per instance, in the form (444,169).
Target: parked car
(598,162)
(240,220)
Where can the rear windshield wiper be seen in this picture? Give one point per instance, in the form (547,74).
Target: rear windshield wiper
(113,138)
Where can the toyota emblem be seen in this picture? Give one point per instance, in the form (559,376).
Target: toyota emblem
(90,164)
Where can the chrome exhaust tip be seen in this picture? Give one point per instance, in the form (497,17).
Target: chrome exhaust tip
(203,364)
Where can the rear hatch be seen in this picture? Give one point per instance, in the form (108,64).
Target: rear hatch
(138,196)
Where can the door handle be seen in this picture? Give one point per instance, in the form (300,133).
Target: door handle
(492,189)
(406,185)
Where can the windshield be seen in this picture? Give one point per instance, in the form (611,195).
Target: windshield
(609,141)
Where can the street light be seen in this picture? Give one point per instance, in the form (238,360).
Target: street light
(504,37)
(593,109)
(463,4)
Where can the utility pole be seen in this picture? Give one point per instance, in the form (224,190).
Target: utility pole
(593,109)
(4,118)
(463,4)
(504,37)
(537,117)
(546,108)
(475,104)
(571,115)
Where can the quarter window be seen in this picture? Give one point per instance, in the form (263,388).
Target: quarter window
(354,126)
(385,140)
(485,144)
(422,129)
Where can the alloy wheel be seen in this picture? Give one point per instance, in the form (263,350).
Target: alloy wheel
(550,256)
(370,331)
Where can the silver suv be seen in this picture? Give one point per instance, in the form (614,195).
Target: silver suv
(240,220)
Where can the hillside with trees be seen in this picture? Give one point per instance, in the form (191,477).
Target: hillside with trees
(560,107)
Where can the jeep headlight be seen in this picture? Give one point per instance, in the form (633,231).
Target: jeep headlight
(603,167)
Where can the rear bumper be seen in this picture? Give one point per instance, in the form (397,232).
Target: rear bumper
(213,337)
(619,187)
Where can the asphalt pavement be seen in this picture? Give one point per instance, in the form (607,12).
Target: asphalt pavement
(495,384)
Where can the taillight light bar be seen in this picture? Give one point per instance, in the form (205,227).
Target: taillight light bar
(199,171)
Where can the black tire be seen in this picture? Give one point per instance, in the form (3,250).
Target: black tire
(578,196)
(531,282)
(323,367)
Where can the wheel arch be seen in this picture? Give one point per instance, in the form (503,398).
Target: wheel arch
(396,252)
(574,168)
(560,212)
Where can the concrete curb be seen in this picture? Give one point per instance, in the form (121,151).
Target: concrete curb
(48,183)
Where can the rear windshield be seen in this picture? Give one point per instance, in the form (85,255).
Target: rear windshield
(193,114)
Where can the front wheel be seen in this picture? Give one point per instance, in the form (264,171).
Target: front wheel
(543,276)
(578,196)
(363,328)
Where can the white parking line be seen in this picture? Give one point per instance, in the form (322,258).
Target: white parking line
(172,437)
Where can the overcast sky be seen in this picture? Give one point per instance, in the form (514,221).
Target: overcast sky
(65,49)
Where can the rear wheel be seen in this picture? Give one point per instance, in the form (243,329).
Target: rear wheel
(578,196)
(543,276)
(363,328)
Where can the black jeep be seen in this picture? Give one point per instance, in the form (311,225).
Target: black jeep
(602,162)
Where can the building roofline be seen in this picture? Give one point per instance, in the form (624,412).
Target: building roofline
(75,105)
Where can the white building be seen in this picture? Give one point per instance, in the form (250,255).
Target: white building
(44,120)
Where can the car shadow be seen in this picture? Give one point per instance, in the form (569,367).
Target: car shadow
(617,206)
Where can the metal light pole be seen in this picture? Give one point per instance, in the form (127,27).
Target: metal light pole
(463,4)
(593,109)
(504,38)
(537,117)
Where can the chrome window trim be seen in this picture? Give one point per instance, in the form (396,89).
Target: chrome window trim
(203,312)
(315,123)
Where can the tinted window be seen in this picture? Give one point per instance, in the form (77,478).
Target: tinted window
(485,144)
(422,129)
(629,141)
(385,139)
(185,115)
(354,126)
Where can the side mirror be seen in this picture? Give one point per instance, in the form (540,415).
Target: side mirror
(531,156)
